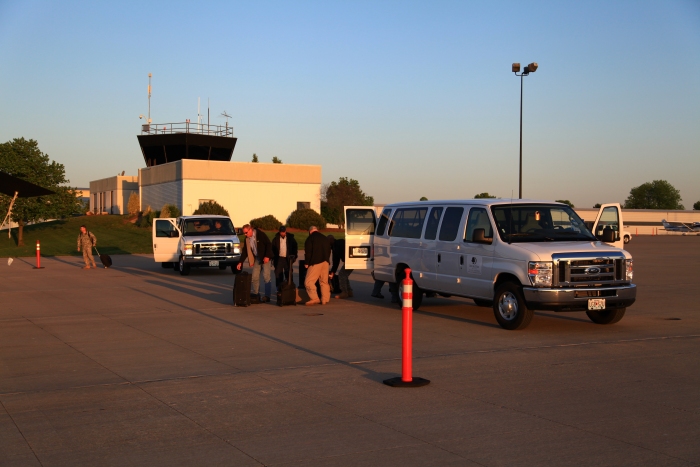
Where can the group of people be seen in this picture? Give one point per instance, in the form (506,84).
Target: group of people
(262,254)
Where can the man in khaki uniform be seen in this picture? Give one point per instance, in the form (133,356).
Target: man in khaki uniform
(86,240)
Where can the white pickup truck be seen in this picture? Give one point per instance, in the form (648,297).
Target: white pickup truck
(515,256)
(196,241)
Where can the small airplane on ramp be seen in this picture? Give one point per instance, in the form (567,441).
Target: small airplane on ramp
(693,228)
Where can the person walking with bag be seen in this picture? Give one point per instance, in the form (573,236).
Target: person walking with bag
(258,251)
(86,241)
(317,254)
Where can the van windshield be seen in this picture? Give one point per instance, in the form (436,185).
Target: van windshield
(203,226)
(539,223)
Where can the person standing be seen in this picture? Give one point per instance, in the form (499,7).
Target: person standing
(317,254)
(338,249)
(258,252)
(86,240)
(284,246)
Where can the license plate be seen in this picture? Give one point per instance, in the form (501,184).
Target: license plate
(359,252)
(216,263)
(596,303)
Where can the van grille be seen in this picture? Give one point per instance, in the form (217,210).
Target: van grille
(212,248)
(578,271)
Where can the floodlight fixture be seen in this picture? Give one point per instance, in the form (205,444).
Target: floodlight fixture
(516,67)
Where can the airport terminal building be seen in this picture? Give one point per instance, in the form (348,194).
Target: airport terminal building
(187,164)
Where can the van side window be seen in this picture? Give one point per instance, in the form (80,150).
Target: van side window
(408,222)
(383,221)
(478,219)
(433,222)
(450,224)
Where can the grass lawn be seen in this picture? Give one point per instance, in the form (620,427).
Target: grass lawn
(115,236)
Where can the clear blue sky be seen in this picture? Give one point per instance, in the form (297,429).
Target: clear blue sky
(410,98)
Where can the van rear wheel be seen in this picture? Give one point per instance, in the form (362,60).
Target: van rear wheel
(510,308)
(606,316)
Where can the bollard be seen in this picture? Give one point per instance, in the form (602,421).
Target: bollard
(407,380)
(38,256)
(636,232)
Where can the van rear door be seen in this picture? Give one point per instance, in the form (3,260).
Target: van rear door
(609,218)
(360,222)
(166,237)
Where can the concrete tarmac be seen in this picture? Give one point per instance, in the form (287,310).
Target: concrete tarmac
(137,365)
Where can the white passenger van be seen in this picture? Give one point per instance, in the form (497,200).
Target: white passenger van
(516,256)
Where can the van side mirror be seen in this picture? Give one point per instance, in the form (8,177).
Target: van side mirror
(480,237)
(608,235)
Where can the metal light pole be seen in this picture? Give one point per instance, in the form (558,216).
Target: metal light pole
(531,68)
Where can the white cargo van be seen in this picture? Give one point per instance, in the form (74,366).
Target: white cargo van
(196,241)
(516,256)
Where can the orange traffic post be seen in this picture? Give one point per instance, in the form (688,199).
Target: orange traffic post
(407,380)
(38,256)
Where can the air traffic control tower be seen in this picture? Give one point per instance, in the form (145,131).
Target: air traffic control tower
(170,142)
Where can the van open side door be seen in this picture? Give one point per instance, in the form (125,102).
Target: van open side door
(608,226)
(166,237)
(360,222)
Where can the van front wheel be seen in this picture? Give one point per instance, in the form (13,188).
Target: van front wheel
(183,267)
(510,308)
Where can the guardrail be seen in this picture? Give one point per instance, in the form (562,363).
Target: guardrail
(187,127)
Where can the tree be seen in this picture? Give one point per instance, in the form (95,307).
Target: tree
(423,198)
(596,205)
(565,201)
(658,194)
(211,207)
(344,192)
(22,158)
(134,205)
(696,206)
(276,160)
(483,196)
(255,158)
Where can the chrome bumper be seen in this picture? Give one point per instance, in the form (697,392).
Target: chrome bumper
(566,299)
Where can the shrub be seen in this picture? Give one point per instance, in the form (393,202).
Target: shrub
(211,207)
(169,210)
(146,219)
(305,218)
(268,222)
(134,204)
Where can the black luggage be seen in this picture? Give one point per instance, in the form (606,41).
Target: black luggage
(287,293)
(106,259)
(335,284)
(241,289)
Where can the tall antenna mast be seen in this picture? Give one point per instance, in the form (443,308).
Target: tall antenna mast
(149,97)
(199,117)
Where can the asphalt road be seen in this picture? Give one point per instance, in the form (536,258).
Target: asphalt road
(136,365)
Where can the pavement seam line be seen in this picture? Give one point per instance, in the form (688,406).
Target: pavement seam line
(20,432)
(513,409)
(198,424)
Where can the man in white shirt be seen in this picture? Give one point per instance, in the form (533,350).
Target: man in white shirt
(284,246)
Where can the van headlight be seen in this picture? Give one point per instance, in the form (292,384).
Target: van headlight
(629,270)
(236,248)
(540,273)
(188,249)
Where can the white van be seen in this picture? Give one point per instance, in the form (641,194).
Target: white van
(516,256)
(196,241)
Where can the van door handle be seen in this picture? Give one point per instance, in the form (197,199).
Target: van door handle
(461,260)
(439,258)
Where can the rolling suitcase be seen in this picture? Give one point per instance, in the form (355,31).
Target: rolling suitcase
(241,289)
(106,259)
(287,294)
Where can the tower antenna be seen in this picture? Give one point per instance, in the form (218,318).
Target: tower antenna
(149,97)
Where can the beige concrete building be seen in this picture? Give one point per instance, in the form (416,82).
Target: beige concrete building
(247,190)
(646,221)
(111,195)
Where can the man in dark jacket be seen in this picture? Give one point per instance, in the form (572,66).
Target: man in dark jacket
(258,251)
(317,254)
(338,248)
(284,246)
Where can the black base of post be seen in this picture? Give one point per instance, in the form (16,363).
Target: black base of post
(414,383)
(42,267)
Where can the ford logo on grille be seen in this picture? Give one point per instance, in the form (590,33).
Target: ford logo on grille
(214,248)
(592,270)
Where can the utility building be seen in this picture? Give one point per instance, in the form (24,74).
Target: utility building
(111,195)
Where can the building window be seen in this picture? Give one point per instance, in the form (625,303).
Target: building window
(303,205)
